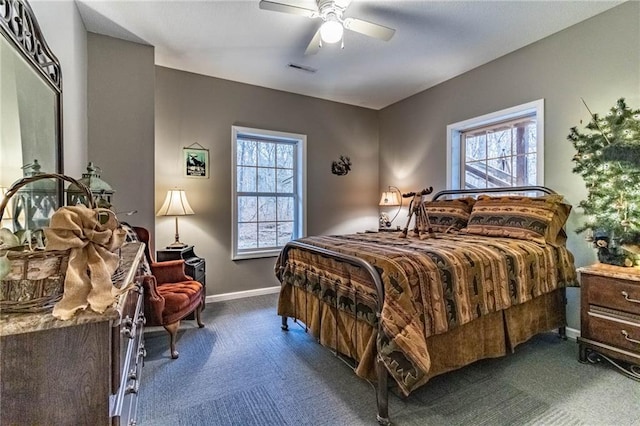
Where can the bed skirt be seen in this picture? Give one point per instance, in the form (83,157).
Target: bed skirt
(490,336)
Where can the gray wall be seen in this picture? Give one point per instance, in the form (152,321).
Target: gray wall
(121,122)
(598,60)
(193,108)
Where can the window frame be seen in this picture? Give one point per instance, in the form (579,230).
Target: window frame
(300,185)
(455,150)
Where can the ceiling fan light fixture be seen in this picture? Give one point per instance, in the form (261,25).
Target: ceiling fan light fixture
(331,30)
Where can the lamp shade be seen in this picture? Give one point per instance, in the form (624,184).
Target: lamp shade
(175,204)
(331,30)
(389,198)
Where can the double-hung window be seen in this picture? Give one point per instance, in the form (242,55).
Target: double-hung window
(268,191)
(501,149)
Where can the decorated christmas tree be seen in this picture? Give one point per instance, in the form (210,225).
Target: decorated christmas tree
(608,159)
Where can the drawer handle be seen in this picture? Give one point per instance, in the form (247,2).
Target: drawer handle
(127,327)
(132,388)
(132,374)
(628,299)
(126,332)
(626,336)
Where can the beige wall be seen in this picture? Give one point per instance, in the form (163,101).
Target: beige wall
(64,31)
(598,60)
(193,108)
(121,122)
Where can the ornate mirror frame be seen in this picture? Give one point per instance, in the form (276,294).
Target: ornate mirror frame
(19,27)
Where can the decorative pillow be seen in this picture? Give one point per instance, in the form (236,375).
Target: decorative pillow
(449,215)
(527,218)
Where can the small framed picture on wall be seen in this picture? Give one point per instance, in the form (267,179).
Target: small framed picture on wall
(196,162)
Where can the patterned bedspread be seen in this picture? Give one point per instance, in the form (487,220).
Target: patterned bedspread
(431,286)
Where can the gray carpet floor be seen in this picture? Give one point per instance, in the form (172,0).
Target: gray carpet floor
(241,369)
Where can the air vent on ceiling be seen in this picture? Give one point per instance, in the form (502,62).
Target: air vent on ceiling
(302,68)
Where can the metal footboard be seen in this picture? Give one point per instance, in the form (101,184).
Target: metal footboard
(382,390)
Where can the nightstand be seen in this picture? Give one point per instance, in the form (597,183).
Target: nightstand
(194,266)
(610,317)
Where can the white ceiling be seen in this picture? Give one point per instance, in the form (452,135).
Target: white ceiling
(434,41)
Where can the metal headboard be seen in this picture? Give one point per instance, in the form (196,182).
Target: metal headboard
(447,193)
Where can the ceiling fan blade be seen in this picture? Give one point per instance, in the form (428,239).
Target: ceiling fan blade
(314,45)
(287,8)
(369,28)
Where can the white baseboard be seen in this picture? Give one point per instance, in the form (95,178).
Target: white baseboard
(240,294)
(572,333)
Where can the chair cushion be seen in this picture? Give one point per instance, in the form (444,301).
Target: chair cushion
(180,299)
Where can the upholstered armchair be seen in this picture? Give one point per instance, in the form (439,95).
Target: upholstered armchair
(169,294)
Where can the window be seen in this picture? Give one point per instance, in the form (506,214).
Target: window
(268,191)
(501,149)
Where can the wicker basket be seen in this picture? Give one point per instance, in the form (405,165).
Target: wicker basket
(36,279)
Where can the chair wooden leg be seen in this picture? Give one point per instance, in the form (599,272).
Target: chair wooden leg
(198,311)
(172,329)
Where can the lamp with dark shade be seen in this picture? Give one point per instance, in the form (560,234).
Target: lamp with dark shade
(176,204)
(390,198)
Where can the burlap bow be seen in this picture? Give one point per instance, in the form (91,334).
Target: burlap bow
(92,235)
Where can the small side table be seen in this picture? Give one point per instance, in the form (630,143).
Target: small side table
(610,316)
(194,266)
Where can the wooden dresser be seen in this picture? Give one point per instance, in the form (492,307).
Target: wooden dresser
(610,316)
(84,371)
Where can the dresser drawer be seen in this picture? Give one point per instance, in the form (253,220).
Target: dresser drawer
(129,411)
(123,403)
(613,293)
(619,331)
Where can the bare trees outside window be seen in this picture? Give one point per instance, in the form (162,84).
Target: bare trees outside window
(267,192)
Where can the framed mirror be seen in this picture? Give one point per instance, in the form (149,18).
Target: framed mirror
(30,98)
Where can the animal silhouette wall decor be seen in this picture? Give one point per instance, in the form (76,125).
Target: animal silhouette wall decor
(341,167)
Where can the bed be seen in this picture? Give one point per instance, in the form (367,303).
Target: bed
(491,275)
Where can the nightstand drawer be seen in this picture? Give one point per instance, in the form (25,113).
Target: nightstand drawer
(619,332)
(613,293)
(198,270)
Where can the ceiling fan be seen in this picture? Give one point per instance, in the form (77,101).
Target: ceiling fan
(333,24)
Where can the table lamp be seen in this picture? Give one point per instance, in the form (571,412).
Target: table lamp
(175,204)
(390,198)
